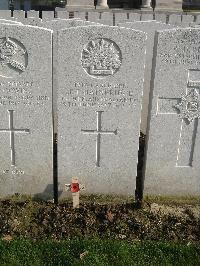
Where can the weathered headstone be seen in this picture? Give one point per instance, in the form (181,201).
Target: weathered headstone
(19,14)
(80,15)
(175,19)
(162,17)
(47,15)
(5,14)
(99,96)
(94,16)
(107,18)
(120,17)
(146,16)
(172,164)
(26,110)
(197,19)
(134,17)
(32,14)
(62,14)
(150,28)
(186,20)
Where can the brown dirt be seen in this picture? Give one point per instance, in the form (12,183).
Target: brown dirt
(165,220)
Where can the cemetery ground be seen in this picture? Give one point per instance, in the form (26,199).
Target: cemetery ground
(105,230)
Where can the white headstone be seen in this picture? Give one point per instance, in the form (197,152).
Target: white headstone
(186,20)
(120,17)
(5,14)
(107,18)
(150,28)
(175,19)
(26,111)
(19,14)
(146,16)
(134,16)
(80,15)
(32,14)
(161,17)
(47,15)
(173,151)
(62,14)
(94,16)
(99,98)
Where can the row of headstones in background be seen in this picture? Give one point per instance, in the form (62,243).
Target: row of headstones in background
(107,18)
(94,95)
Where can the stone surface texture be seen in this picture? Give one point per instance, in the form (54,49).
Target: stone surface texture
(99,107)
(55,25)
(80,4)
(169,5)
(150,28)
(6,21)
(175,19)
(5,14)
(26,111)
(172,162)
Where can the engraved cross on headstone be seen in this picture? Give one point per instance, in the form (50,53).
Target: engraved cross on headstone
(188,108)
(12,132)
(98,132)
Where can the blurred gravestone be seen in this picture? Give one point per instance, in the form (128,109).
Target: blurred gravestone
(26,110)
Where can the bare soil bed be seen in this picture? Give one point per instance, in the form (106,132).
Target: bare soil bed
(159,219)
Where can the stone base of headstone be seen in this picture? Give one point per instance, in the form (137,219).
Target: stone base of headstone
(79,4)
(102,4)
(102,7)
(169,5)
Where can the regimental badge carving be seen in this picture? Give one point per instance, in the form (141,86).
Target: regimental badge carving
(13,57)
(189,106)
(101,57)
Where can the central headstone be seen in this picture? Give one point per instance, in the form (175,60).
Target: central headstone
(26,111)
(99,101)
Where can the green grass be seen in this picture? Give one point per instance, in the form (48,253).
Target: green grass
(174,200)
(97,252)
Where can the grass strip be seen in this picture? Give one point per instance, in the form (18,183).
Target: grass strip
(97,252)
